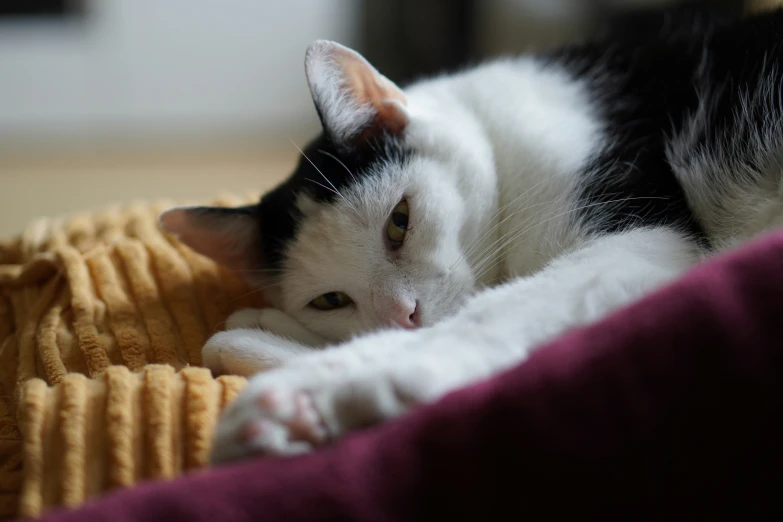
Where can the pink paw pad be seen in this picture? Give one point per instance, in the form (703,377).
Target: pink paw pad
(249,432)
(296,412)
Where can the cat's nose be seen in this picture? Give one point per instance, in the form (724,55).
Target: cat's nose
(406,314)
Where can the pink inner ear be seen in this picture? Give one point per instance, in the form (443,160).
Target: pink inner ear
(345,86)
(369,87)
(392,117)
(366,83)
(229,243)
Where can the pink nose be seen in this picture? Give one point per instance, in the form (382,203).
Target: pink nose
(405,314)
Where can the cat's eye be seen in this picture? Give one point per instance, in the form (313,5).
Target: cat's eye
(331,301)
(398,224)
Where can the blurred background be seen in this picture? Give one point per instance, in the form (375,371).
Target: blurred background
(115,100)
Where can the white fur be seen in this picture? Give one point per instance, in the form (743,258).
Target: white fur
(380,375)
(721,178)
(275,320)
(331,92)
(479,214)
(492,256)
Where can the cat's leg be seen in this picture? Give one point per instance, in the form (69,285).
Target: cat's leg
(257,339)
(276,322)
(248,351)
(320,397)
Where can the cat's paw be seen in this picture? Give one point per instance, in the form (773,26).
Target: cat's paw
(284,413)
(317,399)
(245,318)
(279,421)
(247,351)
(274,321)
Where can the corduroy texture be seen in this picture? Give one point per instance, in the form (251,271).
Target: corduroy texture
(668,409)
(102,318)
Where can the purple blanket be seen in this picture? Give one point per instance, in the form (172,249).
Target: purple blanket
(672,407)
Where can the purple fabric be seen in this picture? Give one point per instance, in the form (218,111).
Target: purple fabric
(669,408)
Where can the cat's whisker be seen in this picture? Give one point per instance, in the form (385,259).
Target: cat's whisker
(334,189)
(470,250)
(519,234)
(481,255)
(497,214)
(335,158)
(513,235)
(218,327)
(512,215)
(257,290)
(489,247)
(324,186)
(483,232)
(257,270)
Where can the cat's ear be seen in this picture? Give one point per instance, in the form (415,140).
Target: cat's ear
(354,100)
(229,236)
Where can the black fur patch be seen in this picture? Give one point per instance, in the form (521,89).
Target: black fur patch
(646,93)
(323,170)
(645,89)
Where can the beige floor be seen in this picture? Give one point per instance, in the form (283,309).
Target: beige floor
(35,184)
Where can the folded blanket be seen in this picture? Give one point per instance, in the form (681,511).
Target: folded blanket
(102,318)
(670,408)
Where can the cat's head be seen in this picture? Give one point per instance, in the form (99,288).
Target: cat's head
(371,229)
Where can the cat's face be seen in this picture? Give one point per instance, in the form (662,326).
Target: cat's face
(386,252)
(370,230)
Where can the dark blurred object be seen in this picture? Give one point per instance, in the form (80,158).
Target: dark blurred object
(407,39)
(10,9)
(640,25)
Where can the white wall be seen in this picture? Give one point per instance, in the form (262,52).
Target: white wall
(156,68)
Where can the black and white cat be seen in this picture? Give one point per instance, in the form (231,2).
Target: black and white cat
(433,236)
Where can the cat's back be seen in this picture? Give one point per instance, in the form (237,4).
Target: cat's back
(695,113)
(727,152)
(680,127)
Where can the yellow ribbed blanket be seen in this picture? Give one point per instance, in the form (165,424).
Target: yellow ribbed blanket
(102,318)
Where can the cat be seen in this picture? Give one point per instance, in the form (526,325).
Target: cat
(435,235)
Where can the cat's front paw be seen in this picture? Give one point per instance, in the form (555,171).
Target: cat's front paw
(274,321)
(247,351)
(319,398)
(278,420)
(279,414)
(245,318)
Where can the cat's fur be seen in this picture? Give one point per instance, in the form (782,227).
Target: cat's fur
(544,192)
